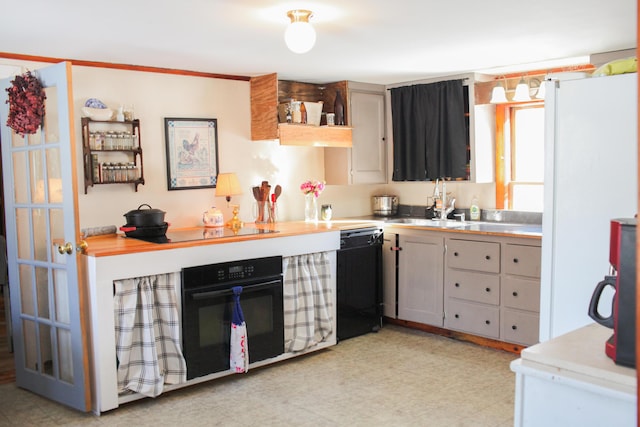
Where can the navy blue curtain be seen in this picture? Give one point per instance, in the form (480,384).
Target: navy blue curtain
(429,131)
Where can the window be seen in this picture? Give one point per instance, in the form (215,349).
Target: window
(520,156)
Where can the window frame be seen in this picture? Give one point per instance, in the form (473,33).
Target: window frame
(505,151)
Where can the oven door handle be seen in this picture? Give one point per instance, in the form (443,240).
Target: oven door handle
(212,294)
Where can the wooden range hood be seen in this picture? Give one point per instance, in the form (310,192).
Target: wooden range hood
(267,92)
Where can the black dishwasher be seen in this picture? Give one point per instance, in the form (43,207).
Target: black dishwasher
(359,282)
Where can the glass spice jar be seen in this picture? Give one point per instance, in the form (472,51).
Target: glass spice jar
(326,212)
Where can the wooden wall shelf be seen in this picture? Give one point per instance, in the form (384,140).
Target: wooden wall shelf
(315,136)
(267,92)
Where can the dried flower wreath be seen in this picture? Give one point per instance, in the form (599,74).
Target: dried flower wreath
(26,104)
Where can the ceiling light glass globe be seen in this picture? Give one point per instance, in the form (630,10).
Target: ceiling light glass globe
(300,37)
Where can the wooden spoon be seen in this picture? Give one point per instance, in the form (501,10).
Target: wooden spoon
(277,191)
(256,193)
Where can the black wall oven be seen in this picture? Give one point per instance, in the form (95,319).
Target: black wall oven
(207,303)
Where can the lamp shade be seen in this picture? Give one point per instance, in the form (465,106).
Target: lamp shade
(522,91)
(541,91)
(227,185)
(498,95)
(300,35)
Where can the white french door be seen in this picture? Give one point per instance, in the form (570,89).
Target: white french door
(40,195)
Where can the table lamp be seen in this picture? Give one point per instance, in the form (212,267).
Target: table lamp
(227,185)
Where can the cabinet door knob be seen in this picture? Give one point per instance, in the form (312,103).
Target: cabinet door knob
(515,260)
(457,285)
(515,294)
(488,322)
(455,254)
(487,257)
(456,316)
(514,327)
(487,289)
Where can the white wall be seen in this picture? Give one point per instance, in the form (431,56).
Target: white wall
(156,96)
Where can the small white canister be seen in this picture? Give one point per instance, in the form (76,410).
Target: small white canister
(213,218)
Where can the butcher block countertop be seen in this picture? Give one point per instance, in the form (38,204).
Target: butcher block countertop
(119,244)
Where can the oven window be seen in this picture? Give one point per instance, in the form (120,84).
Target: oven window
(212,330)
(258,315)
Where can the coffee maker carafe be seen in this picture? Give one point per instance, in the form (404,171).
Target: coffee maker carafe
(621,347)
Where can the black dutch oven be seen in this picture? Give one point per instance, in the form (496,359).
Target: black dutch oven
(145,217)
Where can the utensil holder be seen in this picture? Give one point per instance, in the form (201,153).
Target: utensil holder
(272,213)
(261,212)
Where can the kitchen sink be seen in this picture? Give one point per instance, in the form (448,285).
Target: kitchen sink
(486,226)
(422,222)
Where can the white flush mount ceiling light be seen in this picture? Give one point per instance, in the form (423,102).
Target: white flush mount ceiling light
(300,35)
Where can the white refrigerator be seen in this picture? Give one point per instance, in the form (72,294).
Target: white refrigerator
(590,178)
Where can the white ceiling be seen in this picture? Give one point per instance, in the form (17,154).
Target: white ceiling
(376,41)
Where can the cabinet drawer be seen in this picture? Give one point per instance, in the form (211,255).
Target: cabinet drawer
(472,255)
(476,319)
(522,260)
(477,287)
(521,293)
(519,327)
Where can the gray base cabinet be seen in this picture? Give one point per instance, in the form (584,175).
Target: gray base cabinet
(520,308)
(486,285)
(492,288)
(420,270)
(390,252)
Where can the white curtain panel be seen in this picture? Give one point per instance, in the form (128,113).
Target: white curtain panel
(308,300)
(147,334)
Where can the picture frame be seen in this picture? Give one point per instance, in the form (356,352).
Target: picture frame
(192,153)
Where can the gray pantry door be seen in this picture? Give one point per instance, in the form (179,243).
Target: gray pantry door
(40,196)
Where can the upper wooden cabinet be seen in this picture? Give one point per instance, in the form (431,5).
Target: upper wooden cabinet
(366,161)
(267,93)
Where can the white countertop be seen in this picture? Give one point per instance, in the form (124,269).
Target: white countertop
(580,354)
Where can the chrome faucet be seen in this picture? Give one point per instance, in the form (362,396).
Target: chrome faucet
(445,208)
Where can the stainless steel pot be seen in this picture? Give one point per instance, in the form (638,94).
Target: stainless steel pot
(384,205)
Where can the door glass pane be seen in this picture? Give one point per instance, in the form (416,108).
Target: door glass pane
(37,176)
(42,288)
(61,296)
(56,225)
(17,140)
(30,348)
(27,297)
(51,125)
(22,229)
(54,175)
(35,138)
(20,177)
(46,349)
(40,234)
(65,356)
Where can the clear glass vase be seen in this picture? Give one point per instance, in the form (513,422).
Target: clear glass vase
(310,208)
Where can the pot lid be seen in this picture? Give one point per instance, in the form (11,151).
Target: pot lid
(139,211)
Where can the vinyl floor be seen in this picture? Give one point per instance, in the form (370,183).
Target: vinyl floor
(396,377)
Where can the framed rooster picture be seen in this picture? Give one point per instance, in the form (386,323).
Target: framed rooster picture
(192,153)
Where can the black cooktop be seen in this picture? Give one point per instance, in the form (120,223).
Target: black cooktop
(203,234)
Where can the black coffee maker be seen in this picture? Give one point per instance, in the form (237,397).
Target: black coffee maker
(621,347)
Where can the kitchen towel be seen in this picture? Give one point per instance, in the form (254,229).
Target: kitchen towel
(147,334)
(308,300)
(239,354)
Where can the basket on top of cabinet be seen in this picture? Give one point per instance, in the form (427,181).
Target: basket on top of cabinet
(112,153)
